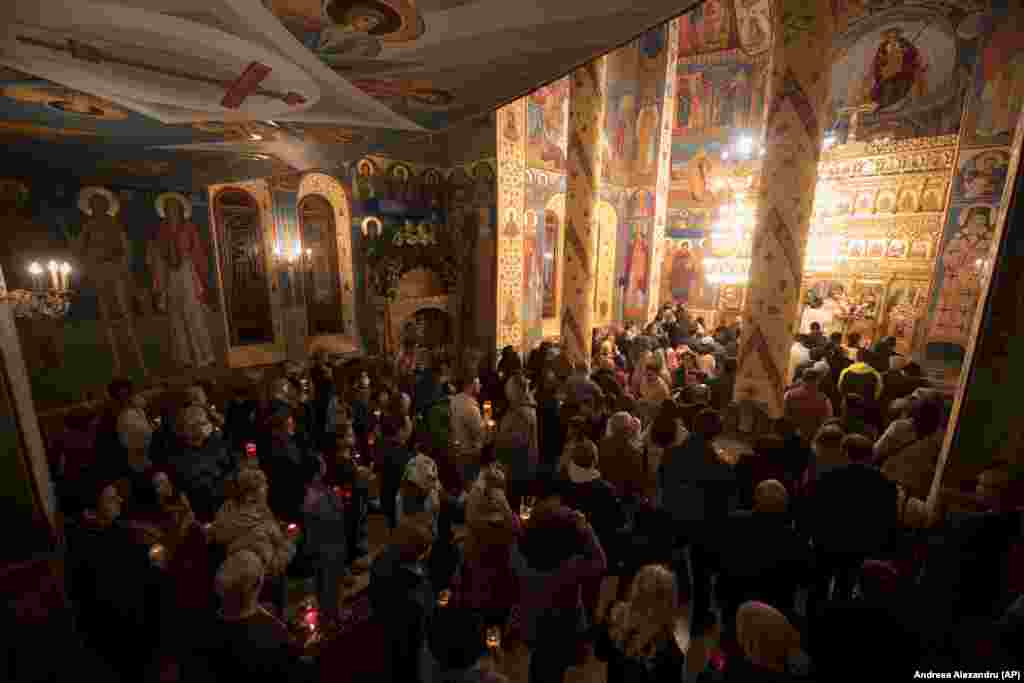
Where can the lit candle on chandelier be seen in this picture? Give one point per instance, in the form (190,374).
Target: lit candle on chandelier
(65,276)
(36,271)
(54,275)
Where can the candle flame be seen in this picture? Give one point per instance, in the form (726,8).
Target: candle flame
(34,268)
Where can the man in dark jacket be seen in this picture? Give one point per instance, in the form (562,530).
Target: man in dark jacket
(110,580)
(246,642)
(586,491)
(852,514)
(392,457)
(403,600)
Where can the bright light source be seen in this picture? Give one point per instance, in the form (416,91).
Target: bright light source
(256,137)
(745,145)
(35,269)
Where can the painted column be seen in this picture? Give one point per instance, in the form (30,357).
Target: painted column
(587,99)
(794,121)
(26,496)
(511,204)
(668,116)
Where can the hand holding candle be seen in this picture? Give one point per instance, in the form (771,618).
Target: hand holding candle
(158,555)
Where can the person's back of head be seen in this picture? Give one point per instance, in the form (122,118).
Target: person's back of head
(853,340)
(828,445)
(858,448)
(836,338)
(666,427)
(457,638)
(120,390)
(238,582)
(583,454)
(912,369)
(927,415)
(770,496)
(391,427)
(708,424)
(411,539)
(732,364)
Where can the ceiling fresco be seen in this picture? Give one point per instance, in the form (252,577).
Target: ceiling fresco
(286,83)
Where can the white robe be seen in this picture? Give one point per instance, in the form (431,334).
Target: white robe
(190,339)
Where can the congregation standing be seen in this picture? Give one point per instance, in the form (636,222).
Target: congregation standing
(513,490)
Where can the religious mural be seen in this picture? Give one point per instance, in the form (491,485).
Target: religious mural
(998,92)
(547,114)
(633,110)
(982,175)
(709,27)
(351,35)
(958,282)
(903,71)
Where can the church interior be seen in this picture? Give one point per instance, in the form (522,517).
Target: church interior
(197,191)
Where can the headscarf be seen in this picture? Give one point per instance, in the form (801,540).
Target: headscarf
(243,524)
(421,471)
(766,637)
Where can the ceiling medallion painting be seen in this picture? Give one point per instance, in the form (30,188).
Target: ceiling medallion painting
(350,35)
(66,100)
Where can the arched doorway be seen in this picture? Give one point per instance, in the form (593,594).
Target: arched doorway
(326,232)
(245,275)
(322,286)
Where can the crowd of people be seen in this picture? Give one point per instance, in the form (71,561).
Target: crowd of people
(513,488)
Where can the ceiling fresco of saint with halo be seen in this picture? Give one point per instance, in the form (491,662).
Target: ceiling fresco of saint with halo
(286,83)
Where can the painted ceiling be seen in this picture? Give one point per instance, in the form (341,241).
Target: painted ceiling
(193,89)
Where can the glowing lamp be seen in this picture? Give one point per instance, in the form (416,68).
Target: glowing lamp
(444,597)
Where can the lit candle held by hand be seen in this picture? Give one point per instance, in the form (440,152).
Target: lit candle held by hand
(488,412)
(444,597)
(493,638)
(157,555)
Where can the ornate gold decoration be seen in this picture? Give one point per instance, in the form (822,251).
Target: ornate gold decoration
(66,100)
(30,129)
(890,164)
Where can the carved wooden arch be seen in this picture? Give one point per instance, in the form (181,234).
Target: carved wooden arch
(330,189)
(259,192)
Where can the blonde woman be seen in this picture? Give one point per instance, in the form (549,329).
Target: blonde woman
(643,639)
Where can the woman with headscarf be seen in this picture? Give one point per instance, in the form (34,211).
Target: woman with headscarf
(420,495)
(485,582)
(246,522)
(643,639)
(516,445)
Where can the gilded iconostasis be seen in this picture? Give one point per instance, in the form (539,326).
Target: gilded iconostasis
(924,101)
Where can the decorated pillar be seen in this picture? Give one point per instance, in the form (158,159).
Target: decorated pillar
(26,497)
(794,122)
(668,116)
(511,205)
(584,164)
